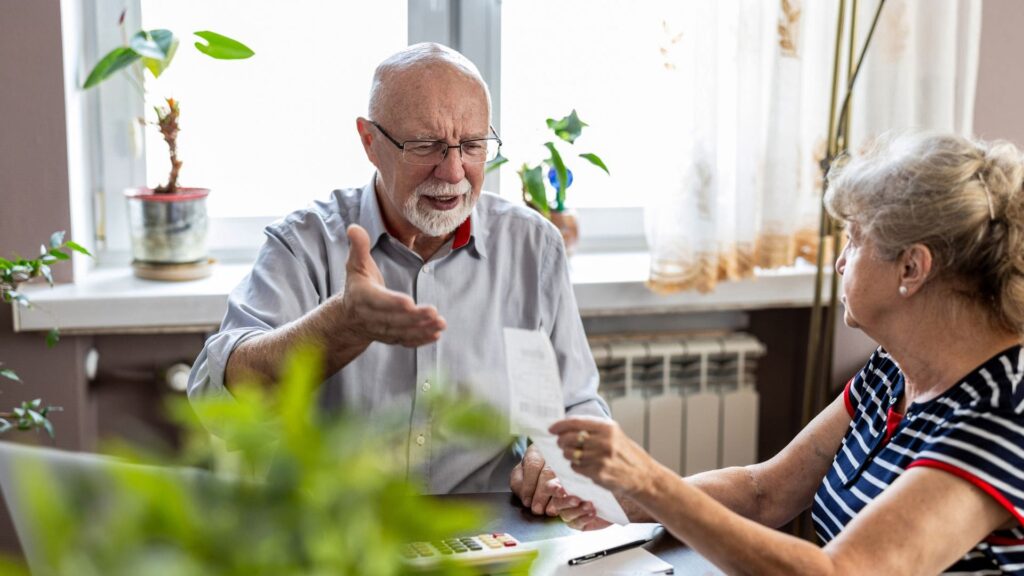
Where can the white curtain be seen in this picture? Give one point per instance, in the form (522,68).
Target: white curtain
(753,80)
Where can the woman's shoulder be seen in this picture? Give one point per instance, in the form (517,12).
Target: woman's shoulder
(994,387)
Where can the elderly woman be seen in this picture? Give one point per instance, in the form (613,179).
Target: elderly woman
(918,467)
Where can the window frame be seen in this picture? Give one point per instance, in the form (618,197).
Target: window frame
(471,26)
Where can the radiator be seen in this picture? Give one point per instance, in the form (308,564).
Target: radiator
(691,402)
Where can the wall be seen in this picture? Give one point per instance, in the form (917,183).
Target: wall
(998,112)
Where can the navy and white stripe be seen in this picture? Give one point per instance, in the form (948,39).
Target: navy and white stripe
(974,430)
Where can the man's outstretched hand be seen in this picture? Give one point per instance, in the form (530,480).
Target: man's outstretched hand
(376,314)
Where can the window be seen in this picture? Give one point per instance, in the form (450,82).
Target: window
(271,134)
(267,135)
(604,59)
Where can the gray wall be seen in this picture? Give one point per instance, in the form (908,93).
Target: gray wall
(998,111)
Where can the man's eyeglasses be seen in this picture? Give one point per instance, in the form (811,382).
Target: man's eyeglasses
(433,152)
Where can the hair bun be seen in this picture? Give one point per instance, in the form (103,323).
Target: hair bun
(1003,172)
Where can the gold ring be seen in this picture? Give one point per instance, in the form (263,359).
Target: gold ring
(581,438)
(576,455)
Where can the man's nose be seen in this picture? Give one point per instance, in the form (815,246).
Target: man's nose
(451,169)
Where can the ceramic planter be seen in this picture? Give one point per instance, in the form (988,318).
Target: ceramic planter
(168,229)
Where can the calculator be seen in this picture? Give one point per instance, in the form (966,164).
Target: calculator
(491,551)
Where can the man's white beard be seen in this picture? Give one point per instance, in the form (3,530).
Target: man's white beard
(438,222)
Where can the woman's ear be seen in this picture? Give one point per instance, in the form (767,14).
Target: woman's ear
(915,268)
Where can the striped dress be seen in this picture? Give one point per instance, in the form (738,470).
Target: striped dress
(974,430)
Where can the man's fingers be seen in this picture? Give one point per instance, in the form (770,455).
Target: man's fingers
(532,465)
(515,481)
(570,515)
(546,487)
(359,260)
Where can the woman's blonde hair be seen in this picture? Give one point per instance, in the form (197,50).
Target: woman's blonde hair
(959,197)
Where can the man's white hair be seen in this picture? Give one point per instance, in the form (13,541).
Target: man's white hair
(416,56)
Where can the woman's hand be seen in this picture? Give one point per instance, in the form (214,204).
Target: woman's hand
(578,514)
(601,451)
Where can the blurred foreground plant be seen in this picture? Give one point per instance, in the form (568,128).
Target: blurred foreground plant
(32,415)
(314,494)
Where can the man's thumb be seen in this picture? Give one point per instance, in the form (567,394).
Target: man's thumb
(359,249)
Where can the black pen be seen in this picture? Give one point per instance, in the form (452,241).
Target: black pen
(602,553)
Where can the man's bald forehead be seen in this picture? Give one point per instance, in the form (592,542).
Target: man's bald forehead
(414,65)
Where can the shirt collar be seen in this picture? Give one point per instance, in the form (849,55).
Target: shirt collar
(371,219)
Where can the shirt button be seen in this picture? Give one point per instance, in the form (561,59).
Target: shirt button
(421,440)
(893,401)
(426,386)
(426,269)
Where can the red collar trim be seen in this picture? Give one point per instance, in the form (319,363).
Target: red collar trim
(462,234)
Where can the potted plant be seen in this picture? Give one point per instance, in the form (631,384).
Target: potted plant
(168,223)
(31,415)
(558,176)
(332,495)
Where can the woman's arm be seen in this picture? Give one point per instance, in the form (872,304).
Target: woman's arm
(777,490)
(771,493)
(904,531)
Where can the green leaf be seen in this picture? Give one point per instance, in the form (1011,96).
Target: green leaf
(568,128)
(533,188)
(560,172)
(115,60)
(593,159)
(20,298)
(5,263)
(222,47)
(156,66)
(56,239)
(45,271)
(152,44)
(494,164)
(78,248)
(9,374)
(58,254)
(48,426)
(36,417)
(52,337)
(4,427)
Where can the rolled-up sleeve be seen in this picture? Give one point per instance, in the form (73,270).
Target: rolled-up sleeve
(280,289)
(575,361)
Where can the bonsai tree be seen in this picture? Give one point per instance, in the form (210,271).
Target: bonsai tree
(13,272)
(334,497)
(153,50)
(535,192)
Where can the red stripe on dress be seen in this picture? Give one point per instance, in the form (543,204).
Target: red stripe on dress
(892,420)
(846,399)
(961,473)
(1004,541)
(462,234)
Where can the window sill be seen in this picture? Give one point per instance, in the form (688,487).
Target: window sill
(111,300)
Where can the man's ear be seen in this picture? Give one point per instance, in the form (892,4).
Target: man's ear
(915,267)
(366,136)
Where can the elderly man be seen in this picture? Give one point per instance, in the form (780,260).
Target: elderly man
(412,277)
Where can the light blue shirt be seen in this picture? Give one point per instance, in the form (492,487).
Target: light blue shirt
(512,272)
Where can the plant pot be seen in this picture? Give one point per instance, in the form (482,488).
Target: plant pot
(168,233)
(568,224)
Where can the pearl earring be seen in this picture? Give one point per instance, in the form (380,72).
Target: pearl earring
(904,291)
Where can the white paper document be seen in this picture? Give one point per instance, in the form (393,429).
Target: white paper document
(536,402)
